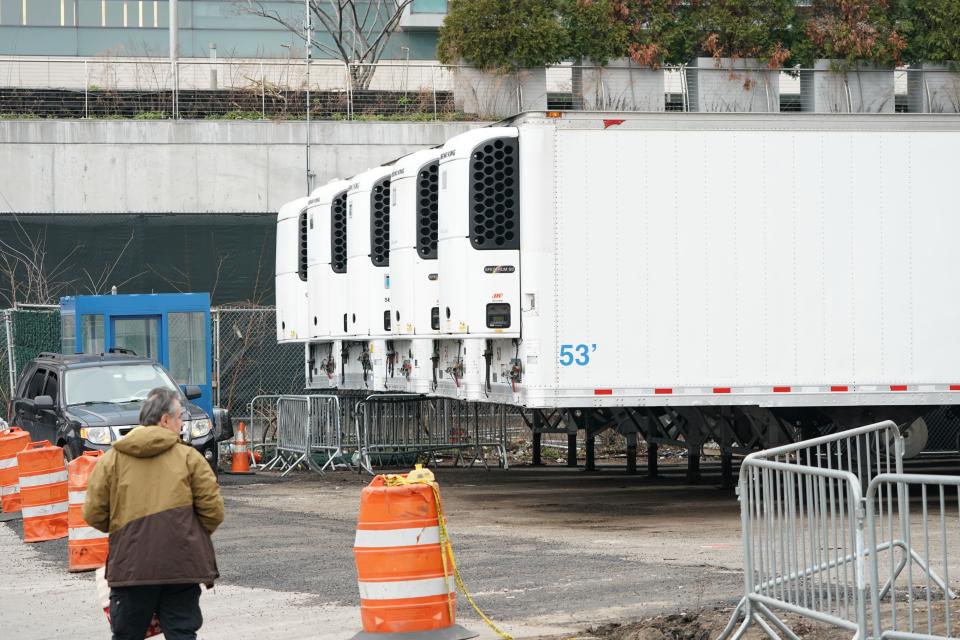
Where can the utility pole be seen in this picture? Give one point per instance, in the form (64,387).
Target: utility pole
(308,45)
(174,53)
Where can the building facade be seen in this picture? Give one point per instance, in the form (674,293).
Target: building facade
(139,28)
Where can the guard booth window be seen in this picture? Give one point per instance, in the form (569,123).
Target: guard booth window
(187,348)
(68,332)
(91,328)
(140,335)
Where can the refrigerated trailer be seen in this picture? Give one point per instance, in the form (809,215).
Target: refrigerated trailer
(669,273)
(366,319)
(291,272)
(326,282)
(703,260)
(414,288)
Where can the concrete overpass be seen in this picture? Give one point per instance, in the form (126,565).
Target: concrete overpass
(188,167)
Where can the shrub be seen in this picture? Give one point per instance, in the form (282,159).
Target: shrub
(933,27)
(595,29)
(738,29)
(851,31)
(659,31)
(502,35)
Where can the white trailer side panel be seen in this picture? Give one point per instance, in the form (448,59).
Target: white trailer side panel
(734,265)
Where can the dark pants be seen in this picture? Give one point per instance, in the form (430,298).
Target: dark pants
(176,605)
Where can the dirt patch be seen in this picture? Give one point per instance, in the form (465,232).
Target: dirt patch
(609,447)
(705,625)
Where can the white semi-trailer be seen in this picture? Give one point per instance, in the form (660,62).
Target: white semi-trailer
(414,284)
(326,283)
(691,260)
(291,272)
(733,276)
(366,303)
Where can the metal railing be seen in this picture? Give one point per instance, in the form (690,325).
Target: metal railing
(305,427)
(396,429)
(228,89)
(915,601)
(814,513)
(262,418)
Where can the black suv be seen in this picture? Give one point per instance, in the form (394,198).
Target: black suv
(87,402)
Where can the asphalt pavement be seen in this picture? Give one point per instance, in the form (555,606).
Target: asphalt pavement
(545,551)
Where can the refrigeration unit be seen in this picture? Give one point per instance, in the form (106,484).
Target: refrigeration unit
(414,277)
(291,272)
(326,281)
(710,260)
(480,204)
(365,321)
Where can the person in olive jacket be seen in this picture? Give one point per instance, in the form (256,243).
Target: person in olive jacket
(160,502)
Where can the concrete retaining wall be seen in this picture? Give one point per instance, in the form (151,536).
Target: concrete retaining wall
(189,167)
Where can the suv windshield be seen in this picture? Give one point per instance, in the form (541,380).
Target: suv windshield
(113,383)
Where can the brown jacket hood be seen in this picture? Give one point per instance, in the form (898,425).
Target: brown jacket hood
(147,442)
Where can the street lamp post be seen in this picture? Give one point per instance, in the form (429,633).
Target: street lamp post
(308,45)
(174,52)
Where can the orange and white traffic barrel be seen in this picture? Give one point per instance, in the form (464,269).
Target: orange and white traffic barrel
(87,548)
(406,582)
(12,442)
(43,490)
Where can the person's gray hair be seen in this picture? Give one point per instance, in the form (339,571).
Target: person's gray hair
(159,402)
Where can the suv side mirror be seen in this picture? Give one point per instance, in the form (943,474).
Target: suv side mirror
(222,424)
(192,392)
(43,403)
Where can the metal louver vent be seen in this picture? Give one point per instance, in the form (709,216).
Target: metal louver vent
(380,223)
(428,189)
(338,233)
(302,239)
(494,195)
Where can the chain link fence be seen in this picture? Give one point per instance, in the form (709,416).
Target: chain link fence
(6,362)
(238,89)
(25,332)
(248,361)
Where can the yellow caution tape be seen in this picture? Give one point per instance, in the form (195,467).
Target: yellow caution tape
(424,476)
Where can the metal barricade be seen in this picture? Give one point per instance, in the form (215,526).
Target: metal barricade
(914,559)
(305,426)
(396,429)
(464,426)
(293,434)
(324,418)
(805,512)
(262,416)
(261,419)
(349,436)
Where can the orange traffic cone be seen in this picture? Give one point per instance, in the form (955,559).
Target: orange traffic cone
(240,464)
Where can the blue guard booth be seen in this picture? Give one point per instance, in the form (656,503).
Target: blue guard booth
(170,328)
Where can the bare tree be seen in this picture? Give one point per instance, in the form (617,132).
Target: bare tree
(358,30)
(27,276)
